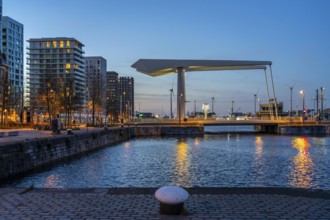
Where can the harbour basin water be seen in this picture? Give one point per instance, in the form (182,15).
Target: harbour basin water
(216,160)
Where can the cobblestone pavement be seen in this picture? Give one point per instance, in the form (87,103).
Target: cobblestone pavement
(141,204)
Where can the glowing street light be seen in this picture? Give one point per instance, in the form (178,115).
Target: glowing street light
(303,102)
(322,98)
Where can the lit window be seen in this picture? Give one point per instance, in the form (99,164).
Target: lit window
(47,44)
(68,66)
(68,43)
(68,50)
(54,44)
(61,44)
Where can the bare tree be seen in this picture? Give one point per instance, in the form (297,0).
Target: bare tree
(4,89)
(96,91)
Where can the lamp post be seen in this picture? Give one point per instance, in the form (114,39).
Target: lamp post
(180,101)
(303,103)
(317,103)
(322,98)
(195,108)
(291,100)
(255,104)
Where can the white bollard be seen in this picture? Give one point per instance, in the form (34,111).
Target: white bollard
(171,199)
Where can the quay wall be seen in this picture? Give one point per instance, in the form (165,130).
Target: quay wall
(22,157)
(25,156)
(168,130)
(305,130)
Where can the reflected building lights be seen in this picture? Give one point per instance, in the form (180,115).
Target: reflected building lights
(259,162)
(259,143)
(127,145)
(196,141)
(302,170)
(182,163)
(228,137)
(53,181)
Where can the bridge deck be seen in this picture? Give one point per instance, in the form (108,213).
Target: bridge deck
(222,122)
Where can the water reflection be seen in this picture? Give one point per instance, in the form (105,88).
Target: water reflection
(182,162)
(259,162)
(53,181)
(209,161)
(259,143)
(302,170)
(196,141)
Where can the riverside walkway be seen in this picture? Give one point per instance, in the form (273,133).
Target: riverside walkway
(140,203)
(31,134)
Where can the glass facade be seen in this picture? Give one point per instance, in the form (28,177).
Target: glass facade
(12,47)
(56,65)
(96,68)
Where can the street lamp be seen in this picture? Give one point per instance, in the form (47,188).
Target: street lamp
(322,98)
(255,104)
(303,103)
(291,100)
(195,108)
(180,97)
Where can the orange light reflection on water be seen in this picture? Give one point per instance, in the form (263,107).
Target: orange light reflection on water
(302,170)
(259,162)
(53,181)
(259,143)
(182,162)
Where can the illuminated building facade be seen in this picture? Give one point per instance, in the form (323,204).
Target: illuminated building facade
(3,90)
(0,25)
(12,48)
(112,96)
(96,69)
(56,74)
(126,97)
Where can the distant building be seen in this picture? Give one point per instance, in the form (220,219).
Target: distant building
(56,73)
(326,114)
(112,96)
(3,90)
(120,97)
(12,48)
(266,110)
(96,69)
(126,97)
(1,26)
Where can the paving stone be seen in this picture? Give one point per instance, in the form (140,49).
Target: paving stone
(56,204)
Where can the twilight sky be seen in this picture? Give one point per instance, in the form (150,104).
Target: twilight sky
(293,34)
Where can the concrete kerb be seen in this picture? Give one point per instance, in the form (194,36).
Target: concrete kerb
(295,192)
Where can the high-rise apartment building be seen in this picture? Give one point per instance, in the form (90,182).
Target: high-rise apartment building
(126,97)
(3,90)
(112,96)
(96,69)
(0,25)
(57,80)
(120,97)
(12,48)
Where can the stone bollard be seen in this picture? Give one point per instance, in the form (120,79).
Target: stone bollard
(171,199)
